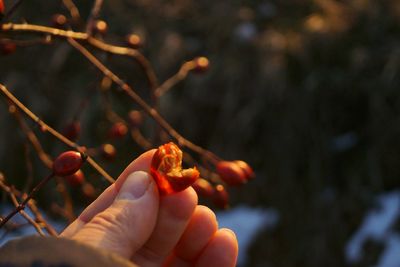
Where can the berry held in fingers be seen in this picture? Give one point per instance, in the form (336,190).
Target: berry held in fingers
(166,168)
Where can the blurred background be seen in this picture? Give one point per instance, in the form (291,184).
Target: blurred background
(305,91)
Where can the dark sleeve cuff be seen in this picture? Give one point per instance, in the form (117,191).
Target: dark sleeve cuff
(54,251)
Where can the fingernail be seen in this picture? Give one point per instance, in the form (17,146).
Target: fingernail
(134,186)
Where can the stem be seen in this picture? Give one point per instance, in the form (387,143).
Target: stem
(146,107)
(56,134)
(21,206)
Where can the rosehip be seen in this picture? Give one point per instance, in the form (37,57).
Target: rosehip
(100,27)
(118,130)
(75,179)
(134,41)
(203,188)
(135,118)
(72,130)
(108,151)
(231,173)
(202,64)
(221,197)
(89,191)
(248,171)
(58,21)
(7,48)
(166,168)
(1,9)
(68,163)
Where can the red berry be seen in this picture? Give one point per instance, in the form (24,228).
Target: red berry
(8,48)
(135,118)
(245,168)
(108,151)
(75,179)
(202,64)
(89,191)
(72,130)
(203,188)
(221,197)
(68,163)
(231,173)
(58,21)
(134,41)
(1,8)
(166,168)
(118,130)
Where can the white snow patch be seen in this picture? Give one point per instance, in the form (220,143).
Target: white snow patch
(377,226)
(246,222)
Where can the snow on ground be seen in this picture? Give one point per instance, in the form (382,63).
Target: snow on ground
(377,225)
(246,222)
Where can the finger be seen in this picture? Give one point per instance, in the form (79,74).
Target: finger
(128,222)
(200,230)
(174,215)
(221,251)
(142,163)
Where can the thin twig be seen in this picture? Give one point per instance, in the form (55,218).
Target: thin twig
(146,107)
(94,14)
(53,132)
(12,9)
(113,49)
(73,10)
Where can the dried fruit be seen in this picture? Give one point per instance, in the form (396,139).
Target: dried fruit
(118,130)
(68,163)
(231,173)
(166,168)
(221,197)
(75,179)
(203,188)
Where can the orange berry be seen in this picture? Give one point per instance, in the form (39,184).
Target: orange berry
(108,151)
(100,27)
(202,64)
(134,41)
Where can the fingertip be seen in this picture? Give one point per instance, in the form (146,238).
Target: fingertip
(221,251)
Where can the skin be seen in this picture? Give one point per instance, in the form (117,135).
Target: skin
(130,219)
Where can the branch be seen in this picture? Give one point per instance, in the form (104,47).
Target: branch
(53,132)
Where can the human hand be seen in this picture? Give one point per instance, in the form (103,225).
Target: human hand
(130,219)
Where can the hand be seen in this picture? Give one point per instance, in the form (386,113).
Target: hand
(131,219)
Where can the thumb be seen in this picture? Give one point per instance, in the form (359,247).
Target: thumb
(128,222)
